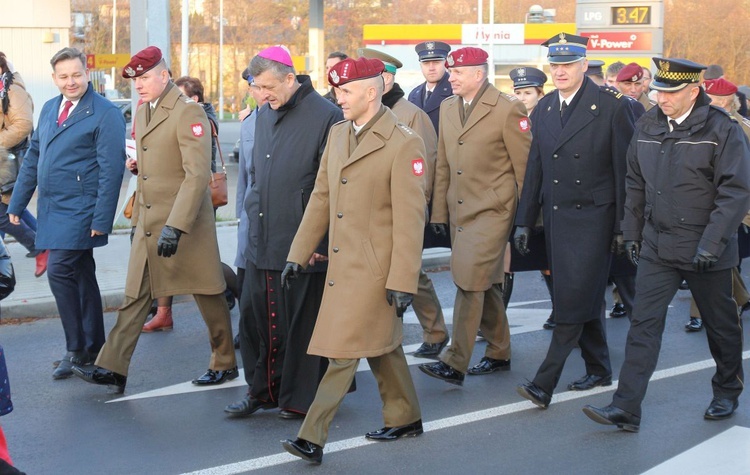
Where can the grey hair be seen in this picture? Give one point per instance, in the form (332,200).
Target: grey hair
(67,53)
(259,65)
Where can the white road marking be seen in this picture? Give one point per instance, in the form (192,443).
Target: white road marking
(732,445)
(521,321)
(357,442)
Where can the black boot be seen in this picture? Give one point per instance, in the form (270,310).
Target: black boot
(507,289)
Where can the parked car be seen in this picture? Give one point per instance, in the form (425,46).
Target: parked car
(126,107)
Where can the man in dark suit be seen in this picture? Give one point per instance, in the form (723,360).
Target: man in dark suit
(76,160)
(430,94)
(576,176)
(688,188)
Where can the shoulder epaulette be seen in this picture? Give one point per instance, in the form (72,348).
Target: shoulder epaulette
(406,129)
(612,91)
(746,122)
(510,97)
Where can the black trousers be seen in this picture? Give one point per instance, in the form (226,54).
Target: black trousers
(284,322)
(72,280)
(591,336)
(656,285)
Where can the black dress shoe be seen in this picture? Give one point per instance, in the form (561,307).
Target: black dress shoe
(442,371)
(284,414)
(480,336)
(392,433)
(613,416)
(431,350)
(618,311)
(721,408)
(489,365)
(535,394)
(97,375)
(550,323)
(216,377)
(64,366)
(694,325)
(305,450)
(247,406)
(590,381)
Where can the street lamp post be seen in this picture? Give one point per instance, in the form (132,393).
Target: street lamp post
(221,59)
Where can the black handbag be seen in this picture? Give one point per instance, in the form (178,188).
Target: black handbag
(7,274)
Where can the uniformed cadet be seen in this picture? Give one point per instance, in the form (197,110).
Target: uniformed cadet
(369,198)
(426,304)
(688,189)
(575,175)
(174,250)
(528,86)
(483,146)
(630,82)
(723,94)
(430,94)
(594,72)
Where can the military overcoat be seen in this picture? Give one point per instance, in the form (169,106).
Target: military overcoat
(576,175)
(174,155)
(478,178)
(371,202)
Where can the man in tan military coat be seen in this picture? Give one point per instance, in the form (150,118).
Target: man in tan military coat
(426,304)
(483,146)
(369,197)
(174,250)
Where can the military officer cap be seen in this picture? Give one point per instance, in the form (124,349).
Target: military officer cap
(565,48)
(350,70)
(633,72)
(674,74)
(527,77)
(143,61)
(391,63)
(432,51)
(720,87)
(595,68)
(469,56)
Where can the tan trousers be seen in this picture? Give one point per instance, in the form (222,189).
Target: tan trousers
(739,292)
(473,311)
(117,351)
(400,404)
(429,312)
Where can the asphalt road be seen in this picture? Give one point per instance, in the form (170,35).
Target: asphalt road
(163,426)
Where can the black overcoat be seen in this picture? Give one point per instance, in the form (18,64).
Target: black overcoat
(576,175)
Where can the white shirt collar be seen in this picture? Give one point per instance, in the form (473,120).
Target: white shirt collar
(681,118)
(569,99)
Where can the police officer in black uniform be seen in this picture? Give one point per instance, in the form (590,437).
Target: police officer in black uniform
(688,188)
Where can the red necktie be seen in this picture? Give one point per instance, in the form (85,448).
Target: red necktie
(64,113)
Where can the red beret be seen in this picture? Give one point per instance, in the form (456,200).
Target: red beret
(468,56)
(350,70)
(633,72)
(719,87)
(143,61)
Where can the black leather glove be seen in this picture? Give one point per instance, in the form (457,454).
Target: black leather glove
(166,246)
(704,260)
(290,272)
(400,299)
(521,240)
(132,233)
(441,229)
(618,245)
(633,251)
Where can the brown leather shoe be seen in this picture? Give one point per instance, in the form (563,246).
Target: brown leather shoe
(162,321)
(41,263)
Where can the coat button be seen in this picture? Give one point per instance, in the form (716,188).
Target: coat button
(578,182)
(460,142)
(682,220)
(344,180)
(148,233)
(335,249)
(658,192)
(460,229)
(148,205)
(460,202)
(330,283)
(554,208)
(145,177)
(459,172)
(260,215)
(576,156)
(555,181)
(339,215)
(578,206)
(554,156)
(145,148)
(268,156)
